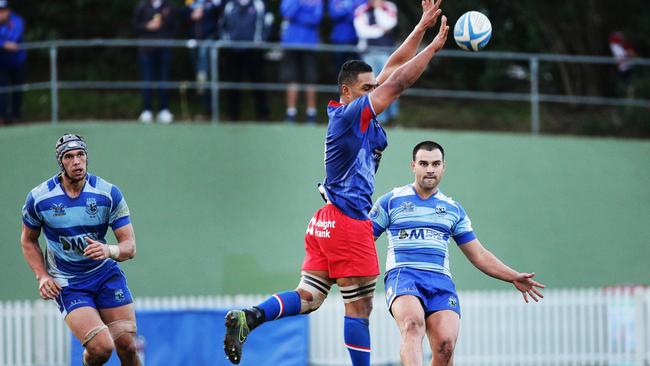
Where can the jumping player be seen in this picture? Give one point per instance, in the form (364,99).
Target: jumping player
(79,271)
(339,244)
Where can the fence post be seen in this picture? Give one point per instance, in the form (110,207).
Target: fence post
(534,95)
(214,81)
(54,86)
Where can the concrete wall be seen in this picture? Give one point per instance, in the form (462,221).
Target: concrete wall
(223,209)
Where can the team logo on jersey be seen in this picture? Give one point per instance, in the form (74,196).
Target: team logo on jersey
(408,206)
(59,209)
(452,301)
(119,295)
(403,234)
(91,206)
(441,210)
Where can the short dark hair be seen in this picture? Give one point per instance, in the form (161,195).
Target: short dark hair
(350,70)
(428,146)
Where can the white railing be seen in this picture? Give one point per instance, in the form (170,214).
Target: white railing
(569,327)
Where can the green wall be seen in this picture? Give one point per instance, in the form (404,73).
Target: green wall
(223,209)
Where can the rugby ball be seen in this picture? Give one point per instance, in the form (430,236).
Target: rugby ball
(472,31)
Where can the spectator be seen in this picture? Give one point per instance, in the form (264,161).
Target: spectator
(342,14)
(12,63)
(301,21)
(246,20)
(375,22)
(204,16)
(624,54)
(153,19)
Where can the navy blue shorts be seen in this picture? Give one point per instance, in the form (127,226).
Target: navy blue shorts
(436,291)
(108,290)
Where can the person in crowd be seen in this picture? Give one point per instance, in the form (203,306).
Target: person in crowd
(301,24)
(249,21)
(341,12)
(154,19)
(12,64)
(375,23)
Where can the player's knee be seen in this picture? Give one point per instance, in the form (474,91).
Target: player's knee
(444,348)
(358,298)
(313,290)
(412,326)
(126,345)
(99,350)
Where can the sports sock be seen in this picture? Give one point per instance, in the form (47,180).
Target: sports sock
(357,339)
(280,305)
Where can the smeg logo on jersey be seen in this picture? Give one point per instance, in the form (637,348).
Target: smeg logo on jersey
(75,244)
(420,234)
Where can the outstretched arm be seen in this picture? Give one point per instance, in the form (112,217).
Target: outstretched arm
(489,264)
(408,73)
(430,13)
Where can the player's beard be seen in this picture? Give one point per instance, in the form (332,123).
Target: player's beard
(73,180)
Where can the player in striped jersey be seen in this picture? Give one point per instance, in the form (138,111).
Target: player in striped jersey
(74,209)
(339,245)
(419,220)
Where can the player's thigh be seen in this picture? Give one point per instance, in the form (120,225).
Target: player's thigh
(84,320)
(124,312)
(409,314)
(442,328)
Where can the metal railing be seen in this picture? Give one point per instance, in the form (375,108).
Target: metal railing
(568,327)
(534,97)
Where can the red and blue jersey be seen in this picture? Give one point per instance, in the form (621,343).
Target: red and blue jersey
(353,134)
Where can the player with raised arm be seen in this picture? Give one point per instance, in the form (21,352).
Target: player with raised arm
(339,244)
(419,220)
(74,209)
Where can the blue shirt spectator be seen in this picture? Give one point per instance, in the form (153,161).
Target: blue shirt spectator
(342,14)
(12,63)
(302,20)
(12,27)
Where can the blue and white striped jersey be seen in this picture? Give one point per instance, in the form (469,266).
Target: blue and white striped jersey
(67,221)
(419,230)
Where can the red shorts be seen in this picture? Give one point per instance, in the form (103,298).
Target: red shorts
(340,245)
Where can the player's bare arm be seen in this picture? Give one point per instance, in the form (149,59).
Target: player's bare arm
(489,264)
(407,74)
(430,13)
(123,250)
(47,287)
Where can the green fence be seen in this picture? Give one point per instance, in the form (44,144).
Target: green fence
(222,209)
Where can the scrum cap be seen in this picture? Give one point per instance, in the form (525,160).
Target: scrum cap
(69,142)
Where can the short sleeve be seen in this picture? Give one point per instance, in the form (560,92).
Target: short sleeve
(31,218)
(462,232)
(379,215)
(119,210)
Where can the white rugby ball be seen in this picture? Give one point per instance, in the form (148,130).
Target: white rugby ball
(472,31)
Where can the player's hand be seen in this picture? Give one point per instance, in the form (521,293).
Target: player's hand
(440,39)
(48,288)
(528,287)
(11,46)
(96,250)
(430,13)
